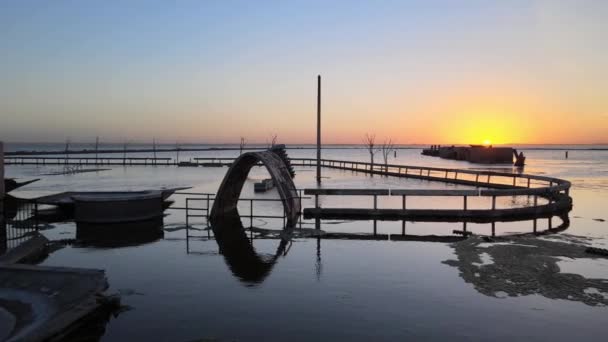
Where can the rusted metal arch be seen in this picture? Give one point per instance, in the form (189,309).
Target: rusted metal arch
(228,194)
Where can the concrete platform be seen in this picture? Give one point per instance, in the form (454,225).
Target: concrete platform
(44,303)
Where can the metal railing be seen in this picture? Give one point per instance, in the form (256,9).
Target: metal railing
(20,224)
(209,198)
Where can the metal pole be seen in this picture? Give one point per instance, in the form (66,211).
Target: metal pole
(154,150)
(208,209)
(187,214)
(319,129)
(96,150)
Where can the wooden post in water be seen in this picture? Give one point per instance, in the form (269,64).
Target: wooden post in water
(97,150)
(154,150)
(319,129)
(124,153)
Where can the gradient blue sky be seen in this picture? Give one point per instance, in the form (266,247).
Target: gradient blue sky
(212,71)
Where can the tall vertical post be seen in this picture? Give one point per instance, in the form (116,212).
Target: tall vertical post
(319,129)
(154,150)
(96,150)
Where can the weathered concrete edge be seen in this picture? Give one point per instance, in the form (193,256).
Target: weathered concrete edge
(29,251)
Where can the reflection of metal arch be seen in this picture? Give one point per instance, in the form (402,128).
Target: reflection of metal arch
(240,255)
(227,196)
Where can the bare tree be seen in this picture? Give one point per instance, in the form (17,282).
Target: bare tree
(387,147)
(273,140)
(67,151)
(242,144)
(370,144)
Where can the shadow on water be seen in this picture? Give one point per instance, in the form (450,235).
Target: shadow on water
(119,234)
(527,265)
(241,257)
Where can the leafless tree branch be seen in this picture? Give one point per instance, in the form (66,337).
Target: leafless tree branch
(242,144)
(387,147)
(369,141)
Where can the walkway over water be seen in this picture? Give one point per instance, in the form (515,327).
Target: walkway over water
(490,185)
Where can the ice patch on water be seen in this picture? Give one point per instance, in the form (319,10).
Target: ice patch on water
(588,268)
(490,244)
(594,291)
(486,259)
(501,294)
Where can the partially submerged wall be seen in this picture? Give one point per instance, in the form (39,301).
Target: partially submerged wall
(1,179)
(478,154)
(2,223)
(489,155)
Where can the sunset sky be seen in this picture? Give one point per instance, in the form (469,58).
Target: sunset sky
(444,72)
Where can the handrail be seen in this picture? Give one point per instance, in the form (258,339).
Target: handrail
(86,158)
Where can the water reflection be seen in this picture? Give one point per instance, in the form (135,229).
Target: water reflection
(119,234)
(241,257)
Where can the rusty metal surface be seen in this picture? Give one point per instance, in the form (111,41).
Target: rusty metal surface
(230,189)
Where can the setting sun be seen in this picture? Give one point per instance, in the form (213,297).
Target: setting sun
(487,142)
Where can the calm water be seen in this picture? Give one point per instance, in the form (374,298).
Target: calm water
(183,290)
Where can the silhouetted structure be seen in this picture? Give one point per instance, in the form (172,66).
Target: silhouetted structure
(280,171)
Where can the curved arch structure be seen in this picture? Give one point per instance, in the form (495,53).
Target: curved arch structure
(228,194)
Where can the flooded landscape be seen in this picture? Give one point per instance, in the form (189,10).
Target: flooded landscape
(200,171)
(184,286)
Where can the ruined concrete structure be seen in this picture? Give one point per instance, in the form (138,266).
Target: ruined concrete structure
(228,194)
(474,153)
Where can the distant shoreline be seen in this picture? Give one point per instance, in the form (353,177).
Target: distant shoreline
(207,149)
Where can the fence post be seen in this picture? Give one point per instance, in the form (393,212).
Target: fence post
(465,202)
(375,201)
(251,213)
(208,209)
(36,214)
(187,223)
(403,202)
(494,202)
